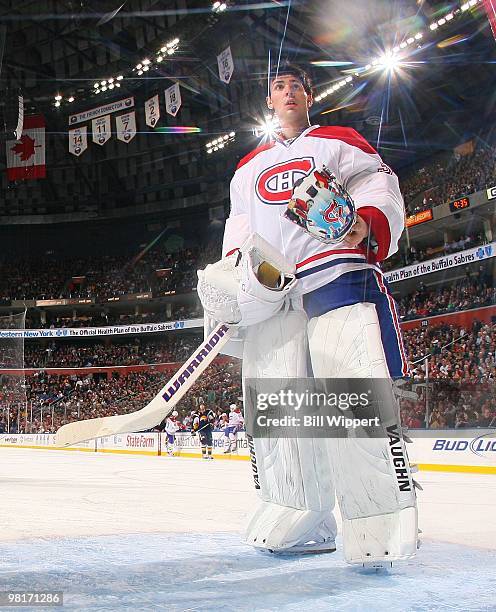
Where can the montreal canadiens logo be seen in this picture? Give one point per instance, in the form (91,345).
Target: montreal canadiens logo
(275,185)
(333,213)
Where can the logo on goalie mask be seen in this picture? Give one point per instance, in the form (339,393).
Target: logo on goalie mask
(275,184)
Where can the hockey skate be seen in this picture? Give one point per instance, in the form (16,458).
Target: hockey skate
(310,548)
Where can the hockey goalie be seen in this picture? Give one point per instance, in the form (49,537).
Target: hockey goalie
(313,213)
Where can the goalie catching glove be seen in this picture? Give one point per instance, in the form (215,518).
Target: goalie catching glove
(248,286)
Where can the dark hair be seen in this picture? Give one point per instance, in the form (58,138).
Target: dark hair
(286,68)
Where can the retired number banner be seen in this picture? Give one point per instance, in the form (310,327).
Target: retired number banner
(78,140)
(101,129)
(152,111)
(126,126)
(173,99)
(226,65)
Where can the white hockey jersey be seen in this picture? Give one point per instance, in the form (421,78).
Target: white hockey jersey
(262,187)
(171,426)
(236,420)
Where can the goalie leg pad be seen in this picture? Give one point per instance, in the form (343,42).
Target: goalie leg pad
(294,474)
(374,486)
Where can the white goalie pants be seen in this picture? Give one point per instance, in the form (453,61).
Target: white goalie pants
(300,477)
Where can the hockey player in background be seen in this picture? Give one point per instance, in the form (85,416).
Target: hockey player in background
(234,425)
(336,306)
(203,425)
(171,427)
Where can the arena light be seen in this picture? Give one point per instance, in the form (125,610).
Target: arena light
(58,97)
(413,38)
(96,85)
(70,99)
(57,103)
(219,7)
(389,62)
(168,49)
(120,77)
(219,143)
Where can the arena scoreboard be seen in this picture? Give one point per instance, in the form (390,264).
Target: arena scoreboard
(459,204)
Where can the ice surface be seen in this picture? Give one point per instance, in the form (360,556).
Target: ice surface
(145,533)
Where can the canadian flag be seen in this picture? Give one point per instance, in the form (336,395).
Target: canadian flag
(26,156)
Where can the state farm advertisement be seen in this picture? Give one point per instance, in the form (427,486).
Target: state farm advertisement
(138,443)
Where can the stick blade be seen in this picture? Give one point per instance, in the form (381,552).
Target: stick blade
(82,431)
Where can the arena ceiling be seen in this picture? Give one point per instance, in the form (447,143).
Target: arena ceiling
(441,91)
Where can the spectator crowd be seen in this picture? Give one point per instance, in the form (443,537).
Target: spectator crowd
(461,365)
(461,295)
(447,179)
(50,277)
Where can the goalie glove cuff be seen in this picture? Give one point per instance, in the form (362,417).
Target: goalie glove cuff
(256,301)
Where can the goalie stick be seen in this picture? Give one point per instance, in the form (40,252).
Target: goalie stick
(160,406)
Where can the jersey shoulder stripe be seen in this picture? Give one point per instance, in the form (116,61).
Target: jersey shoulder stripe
(345,134)
(244,160)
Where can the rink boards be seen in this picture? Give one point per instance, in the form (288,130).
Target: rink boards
(465,450)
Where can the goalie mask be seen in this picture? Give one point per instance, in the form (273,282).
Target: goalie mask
(322,207)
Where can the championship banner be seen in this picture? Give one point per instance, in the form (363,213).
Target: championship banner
(462,258)
(126,126)
(89,332)
(100,111)
(152,111)
(101,130)
(26,156)
(226,65)
(173,99)
(78,140)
